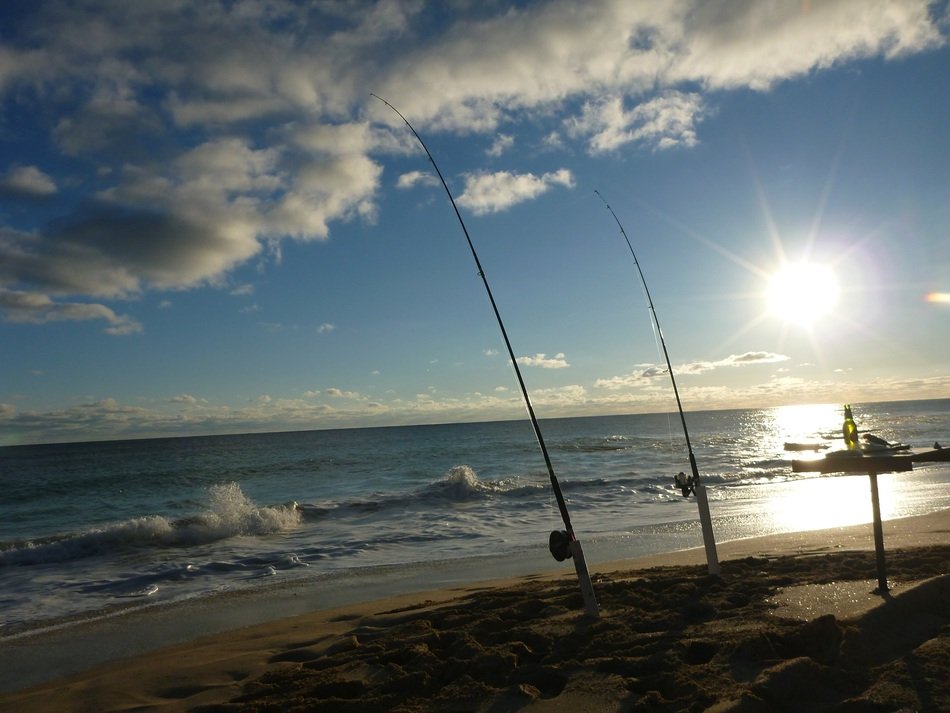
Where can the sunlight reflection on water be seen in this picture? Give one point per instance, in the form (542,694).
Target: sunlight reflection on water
(798,424)
(818,503)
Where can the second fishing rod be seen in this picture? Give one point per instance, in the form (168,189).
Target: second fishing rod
(688,484)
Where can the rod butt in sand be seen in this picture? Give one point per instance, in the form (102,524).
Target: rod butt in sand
(583,577)
(705,521)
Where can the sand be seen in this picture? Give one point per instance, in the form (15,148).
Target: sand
(793,623)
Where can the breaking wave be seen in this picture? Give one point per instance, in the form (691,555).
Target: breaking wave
(230,513)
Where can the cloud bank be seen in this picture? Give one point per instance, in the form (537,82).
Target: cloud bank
(647,372)
(198,136)
(189,415)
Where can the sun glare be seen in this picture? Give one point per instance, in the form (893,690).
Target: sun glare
(821,503)
(802,293)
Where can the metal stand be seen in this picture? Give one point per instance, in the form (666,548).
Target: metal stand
(872,465)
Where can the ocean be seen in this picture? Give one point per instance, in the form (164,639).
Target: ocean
(96,530)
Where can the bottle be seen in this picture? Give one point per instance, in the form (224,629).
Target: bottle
(849,430)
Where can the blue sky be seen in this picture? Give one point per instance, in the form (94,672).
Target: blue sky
(208,225)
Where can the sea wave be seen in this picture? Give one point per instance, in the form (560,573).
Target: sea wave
(459,484)
(230,513)
(596,444)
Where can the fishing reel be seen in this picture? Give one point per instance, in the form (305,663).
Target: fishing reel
(560,545)
(686,483)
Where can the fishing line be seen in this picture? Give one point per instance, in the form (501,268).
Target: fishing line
(659,354)
(692,483)
(563,545)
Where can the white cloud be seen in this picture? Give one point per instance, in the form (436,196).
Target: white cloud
(417,178)
(112,120)
(502,143)
(494,192)
(27,182)
(747,358)
(326,328)
(571,396)
(190,225)
(729,45)
(231,64)
(645,373)
(664,122)
(542,360)
(35,308)
(333,179)
(642,375)
(341,394)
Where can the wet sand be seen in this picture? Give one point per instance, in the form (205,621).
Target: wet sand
(793,623)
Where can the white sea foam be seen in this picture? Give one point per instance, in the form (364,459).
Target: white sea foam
(231,513)
(460,483)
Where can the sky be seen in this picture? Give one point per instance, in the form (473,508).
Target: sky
(209,225)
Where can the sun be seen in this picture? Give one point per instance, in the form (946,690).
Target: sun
(802,293)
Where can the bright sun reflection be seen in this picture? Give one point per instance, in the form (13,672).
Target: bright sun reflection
(805,423)
(820,503)
(802,293)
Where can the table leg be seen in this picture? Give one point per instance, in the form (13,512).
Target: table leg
(878,536)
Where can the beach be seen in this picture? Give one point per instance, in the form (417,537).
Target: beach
(791,623)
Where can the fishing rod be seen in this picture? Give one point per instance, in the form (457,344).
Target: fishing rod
(562,544)
(686,484)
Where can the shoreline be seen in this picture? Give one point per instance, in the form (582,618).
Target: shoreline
(200,661)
